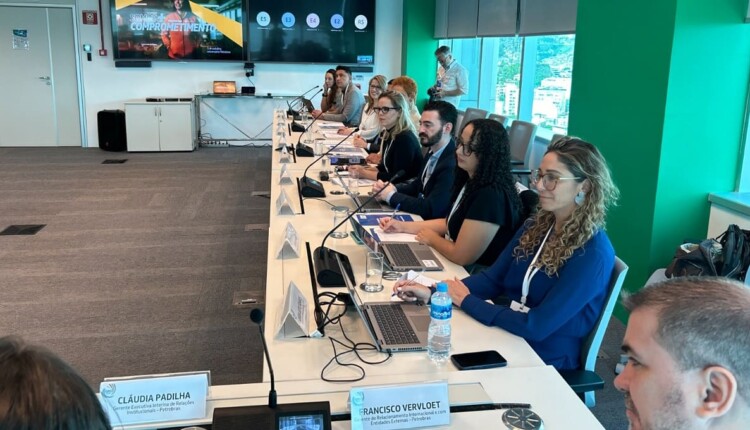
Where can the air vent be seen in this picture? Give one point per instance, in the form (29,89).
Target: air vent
(115,161)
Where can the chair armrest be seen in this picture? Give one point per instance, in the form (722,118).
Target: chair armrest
(516,162)
(582,381)
(520,171)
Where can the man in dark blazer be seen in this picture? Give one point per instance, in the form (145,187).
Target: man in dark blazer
(428,195)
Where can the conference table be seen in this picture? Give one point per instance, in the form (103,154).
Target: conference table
(304,358)
(299,360)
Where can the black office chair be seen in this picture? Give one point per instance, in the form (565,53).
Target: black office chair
(585,381)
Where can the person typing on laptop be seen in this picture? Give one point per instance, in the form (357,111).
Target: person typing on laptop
(556,270)
(484,211)
(428,194)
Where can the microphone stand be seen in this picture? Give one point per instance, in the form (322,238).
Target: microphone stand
(291,111)
(309,187)
(329,263)
(256,315)
(302,149)
(298,127)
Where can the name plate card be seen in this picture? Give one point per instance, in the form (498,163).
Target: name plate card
(400,406)
(283,207)
(154,399)
(290,246)
(294,317)
(285,157)
(284,177)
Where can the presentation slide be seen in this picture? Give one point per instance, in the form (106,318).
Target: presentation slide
(332,32)
(178,30)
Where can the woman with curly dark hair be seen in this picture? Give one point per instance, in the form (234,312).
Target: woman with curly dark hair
(331,95)
(485,207)
(557,268)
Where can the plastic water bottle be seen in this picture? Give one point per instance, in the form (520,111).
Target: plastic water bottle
(439,334)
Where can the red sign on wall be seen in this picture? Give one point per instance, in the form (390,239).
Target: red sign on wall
(90,17)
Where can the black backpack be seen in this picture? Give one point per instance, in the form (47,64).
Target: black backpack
(735,252)
(728,255)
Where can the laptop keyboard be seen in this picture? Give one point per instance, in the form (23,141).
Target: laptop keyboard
(402,255)
(394,325)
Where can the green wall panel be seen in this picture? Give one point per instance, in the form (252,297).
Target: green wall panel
(418,46)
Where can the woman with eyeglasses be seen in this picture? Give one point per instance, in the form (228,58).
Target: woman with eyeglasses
(556,270)
(485,208)
(399,148)
(369,126)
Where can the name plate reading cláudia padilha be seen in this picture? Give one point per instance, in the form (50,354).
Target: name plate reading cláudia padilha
(400,406)
(155,398)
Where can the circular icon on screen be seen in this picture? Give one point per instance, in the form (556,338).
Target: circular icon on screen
(313,20)
(263,19)
(287,20)
(337,21)
(360,22)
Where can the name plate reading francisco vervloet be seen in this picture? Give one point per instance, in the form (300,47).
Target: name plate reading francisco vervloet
(400,406)
(155,398)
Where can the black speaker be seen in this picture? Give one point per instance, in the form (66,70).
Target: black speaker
(133,63)
(248,90)
(111,125)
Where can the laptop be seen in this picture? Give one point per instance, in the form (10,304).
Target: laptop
(393,326)
(400,256)
(225,87)
(373,205)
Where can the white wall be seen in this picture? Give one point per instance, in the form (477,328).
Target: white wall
(108,87)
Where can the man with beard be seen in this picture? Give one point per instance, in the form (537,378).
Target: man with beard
(428,195)
(688,355)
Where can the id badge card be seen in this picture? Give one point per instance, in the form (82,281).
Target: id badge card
(514,305)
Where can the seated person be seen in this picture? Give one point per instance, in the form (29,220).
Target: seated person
(408,87)
(352,100)
(40,391)
(369,127)
(486,208)
(557,268)
(688,365)
(400,147)
(330,92)
(428,195)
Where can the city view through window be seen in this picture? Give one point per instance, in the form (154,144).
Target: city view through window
(525,78)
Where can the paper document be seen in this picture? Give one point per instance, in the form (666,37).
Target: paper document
(382,236)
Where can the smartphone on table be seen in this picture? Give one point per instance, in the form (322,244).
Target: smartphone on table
(478,360)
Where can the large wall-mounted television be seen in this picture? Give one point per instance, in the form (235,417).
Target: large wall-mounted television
(178,30)
(322,31)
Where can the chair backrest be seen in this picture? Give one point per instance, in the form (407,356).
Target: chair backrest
(459,123)
(521,134)
(590,347)
(472,113)
(499,118)
(538,149)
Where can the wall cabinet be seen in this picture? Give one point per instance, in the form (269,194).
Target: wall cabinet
(166,126)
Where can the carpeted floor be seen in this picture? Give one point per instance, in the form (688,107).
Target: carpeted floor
(137,266)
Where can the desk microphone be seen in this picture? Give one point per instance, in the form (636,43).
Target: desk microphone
(328,271)
(271,416)
(300,127)
(309,187)
(256,316)
(289,104)
(302,149)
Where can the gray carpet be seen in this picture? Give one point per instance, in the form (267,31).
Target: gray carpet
(136,268)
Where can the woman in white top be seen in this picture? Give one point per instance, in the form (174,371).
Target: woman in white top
(369,126)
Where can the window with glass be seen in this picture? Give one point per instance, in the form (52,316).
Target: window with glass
(525,78)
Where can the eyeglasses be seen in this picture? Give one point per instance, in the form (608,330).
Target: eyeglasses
(466,149)
(384,110)
(549,181)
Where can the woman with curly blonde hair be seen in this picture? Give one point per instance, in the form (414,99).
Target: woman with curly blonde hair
(557,268)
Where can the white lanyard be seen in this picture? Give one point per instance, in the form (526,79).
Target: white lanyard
(532,270)
(456,204)
(386,151)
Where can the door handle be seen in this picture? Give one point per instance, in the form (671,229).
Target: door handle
(45,79)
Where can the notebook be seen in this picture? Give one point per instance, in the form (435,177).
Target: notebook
(399,256)
(225,87)
(393,326)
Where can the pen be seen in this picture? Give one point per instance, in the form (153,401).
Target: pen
(393,215)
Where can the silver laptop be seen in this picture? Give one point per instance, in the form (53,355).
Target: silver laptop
(393,326)
(400,256)
(373,205)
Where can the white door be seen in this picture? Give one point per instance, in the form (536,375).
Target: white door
(39,85)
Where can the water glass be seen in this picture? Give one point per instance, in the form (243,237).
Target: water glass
(318,148)
(353,182)
(373,273)
(339,214)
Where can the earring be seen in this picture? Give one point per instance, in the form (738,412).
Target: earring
(579,198)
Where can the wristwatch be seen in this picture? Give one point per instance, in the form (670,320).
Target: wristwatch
(522,419)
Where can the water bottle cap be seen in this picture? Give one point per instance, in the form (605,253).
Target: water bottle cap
(442,287)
